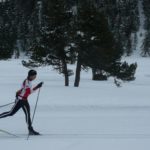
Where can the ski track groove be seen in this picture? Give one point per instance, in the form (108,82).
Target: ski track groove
(78,136)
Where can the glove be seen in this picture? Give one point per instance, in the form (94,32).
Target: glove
(17,93)
(39,85)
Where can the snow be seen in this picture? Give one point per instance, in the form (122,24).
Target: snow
(97,115)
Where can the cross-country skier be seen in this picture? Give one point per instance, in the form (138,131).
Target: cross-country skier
(22,100)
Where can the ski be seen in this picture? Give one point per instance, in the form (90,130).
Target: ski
(9,133)
(18,135)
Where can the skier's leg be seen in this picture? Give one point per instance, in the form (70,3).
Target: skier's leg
(26,109)
(14,109)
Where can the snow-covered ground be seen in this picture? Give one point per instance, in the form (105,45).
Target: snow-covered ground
(97,115)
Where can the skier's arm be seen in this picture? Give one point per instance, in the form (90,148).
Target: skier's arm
(38,86)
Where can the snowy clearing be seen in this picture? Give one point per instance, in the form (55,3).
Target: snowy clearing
(97,115)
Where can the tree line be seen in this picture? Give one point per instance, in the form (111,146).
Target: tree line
(62,32)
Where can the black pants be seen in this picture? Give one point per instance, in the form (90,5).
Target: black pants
(20,104)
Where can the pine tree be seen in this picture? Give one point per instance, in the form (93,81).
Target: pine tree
(53,46)
(146,43)
(95,45)
(24,18)
(7,29)
(123,21)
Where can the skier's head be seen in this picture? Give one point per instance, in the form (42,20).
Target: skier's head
(32,75)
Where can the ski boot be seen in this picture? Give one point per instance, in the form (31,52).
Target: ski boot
(33,132)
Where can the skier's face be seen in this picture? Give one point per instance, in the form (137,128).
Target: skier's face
(31,78)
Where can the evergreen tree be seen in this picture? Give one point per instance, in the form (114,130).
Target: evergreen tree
(7,29)
(146,43)
(95,45)
(53,47)
(25,16)
(94,42)
(123,19)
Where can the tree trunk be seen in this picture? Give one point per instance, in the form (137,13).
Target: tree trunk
(93,73)
(65,71)
(78,70)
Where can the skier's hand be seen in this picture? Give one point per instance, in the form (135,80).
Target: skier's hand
(40,85)
(17,94)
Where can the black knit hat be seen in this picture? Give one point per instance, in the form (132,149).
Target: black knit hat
(32,73)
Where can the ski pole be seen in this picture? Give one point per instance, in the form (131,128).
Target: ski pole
(35,106)
(34,110)
(6,104)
